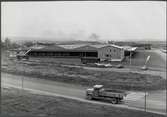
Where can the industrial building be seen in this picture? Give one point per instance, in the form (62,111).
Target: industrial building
(98,52)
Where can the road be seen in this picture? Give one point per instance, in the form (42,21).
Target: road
(134,100)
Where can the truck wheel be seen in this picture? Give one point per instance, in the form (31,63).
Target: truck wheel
(89,97)
(114,101)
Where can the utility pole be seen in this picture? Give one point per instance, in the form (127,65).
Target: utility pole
(22,80)
(22,83)
(130,57)
(145,104)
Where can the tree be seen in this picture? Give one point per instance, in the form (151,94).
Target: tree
(2,44)
(111,42)
(7,43)
(28,44)
(94,36)
(14,45)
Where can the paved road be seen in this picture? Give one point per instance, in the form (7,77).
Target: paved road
(134,99)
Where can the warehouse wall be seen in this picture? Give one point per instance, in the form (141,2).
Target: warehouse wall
(110,52)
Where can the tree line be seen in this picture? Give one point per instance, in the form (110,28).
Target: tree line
(8,44)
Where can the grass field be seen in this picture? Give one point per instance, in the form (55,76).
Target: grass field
(73,61)
(23,103)
(80,76)
(55,71)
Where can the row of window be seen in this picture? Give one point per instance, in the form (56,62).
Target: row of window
(62,54)
(112,50)
(108,55)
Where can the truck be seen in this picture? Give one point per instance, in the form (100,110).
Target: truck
(99,92)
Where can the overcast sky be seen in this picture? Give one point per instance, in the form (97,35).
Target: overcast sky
(110,20)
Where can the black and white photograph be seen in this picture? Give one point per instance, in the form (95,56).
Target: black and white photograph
(83,59)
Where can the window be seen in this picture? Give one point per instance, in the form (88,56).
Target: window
(107,55)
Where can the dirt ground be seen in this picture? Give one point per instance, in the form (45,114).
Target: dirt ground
(23,103)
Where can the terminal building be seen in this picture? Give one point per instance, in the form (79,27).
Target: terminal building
(100,52)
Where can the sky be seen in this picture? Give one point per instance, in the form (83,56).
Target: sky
(109,20)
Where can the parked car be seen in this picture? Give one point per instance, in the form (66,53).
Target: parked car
(103,65)
(108,65)
(144,67)
(100,65)
(119,66)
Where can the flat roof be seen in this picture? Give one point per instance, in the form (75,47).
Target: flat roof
(105,45)
(71,46)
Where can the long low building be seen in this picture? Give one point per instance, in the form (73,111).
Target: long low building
(102,52)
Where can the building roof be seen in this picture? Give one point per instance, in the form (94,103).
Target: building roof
(105,45)
(129,48)
(87,48)
(75,47)
(72,46)
(49,48)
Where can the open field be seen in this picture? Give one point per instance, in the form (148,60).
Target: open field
(80,76)
(56,71)
(140,57)
(155,59)
(20,103)
(67,61)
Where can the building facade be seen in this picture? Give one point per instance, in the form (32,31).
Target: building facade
(111,53)
(101,52)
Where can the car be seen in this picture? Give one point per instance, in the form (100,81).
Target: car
(108,65)
(119,66)
(103,65)
(100,65)
(144,67)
